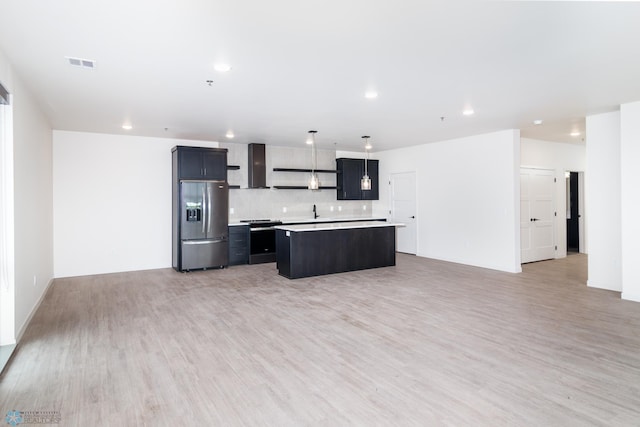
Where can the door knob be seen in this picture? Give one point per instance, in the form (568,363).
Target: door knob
(535,219)
(412,216)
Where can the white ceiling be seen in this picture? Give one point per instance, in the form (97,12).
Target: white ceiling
(300,65)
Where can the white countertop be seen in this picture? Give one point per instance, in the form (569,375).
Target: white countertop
(323,219)
(337,225)
(314,221)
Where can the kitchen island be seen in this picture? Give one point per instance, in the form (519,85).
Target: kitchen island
(304,250)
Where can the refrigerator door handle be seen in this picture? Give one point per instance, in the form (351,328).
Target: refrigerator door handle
(204,207)
(200,242)
(209,207)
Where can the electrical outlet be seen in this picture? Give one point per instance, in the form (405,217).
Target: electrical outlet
(35,280)
(331,208)
(231,211)
(284,209)
(364,207)
(339,208)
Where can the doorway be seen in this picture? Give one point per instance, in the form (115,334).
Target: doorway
(574,205)
(573,228)
(403,210)
(7,276)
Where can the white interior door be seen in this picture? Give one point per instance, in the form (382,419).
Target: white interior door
(582,232)
(403,210)
(537,214)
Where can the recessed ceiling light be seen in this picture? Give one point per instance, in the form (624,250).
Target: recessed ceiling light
(230,134)
(575,133)
(222,68)
(127,127)
(371,94)
(468,112)
(537,122)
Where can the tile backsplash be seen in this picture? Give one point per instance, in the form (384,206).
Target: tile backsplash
(271,203)
(292,204)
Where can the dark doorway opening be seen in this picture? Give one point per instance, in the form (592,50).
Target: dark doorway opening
(573,214)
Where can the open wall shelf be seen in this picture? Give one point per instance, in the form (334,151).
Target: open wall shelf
(233,168)
(304,170)
(299,187)
(302,187)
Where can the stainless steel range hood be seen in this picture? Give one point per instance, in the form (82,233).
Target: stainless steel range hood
(257,163)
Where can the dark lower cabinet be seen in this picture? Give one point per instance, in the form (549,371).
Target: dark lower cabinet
(314,253)
(239,244)
(350,172)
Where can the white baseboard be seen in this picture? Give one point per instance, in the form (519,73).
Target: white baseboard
(5,354)
(33,312)
(600,286)
(630,297)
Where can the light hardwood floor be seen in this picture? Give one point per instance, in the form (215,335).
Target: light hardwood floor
(423,343)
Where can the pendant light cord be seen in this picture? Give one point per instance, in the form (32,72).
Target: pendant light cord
(366,153)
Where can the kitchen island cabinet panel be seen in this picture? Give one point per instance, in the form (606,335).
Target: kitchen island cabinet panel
(319,252)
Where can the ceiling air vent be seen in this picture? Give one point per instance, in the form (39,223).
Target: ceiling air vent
(82,63)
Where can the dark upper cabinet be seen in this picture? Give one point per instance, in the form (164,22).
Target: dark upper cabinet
(348,179)
(350,171)
(214,164)
(201,163)
(189,163)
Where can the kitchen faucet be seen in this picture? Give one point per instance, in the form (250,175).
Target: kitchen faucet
(315,214)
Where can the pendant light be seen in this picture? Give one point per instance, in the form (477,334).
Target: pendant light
(314,183)
(365,182)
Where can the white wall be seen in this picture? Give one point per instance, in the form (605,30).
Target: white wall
(33,218)
(112,202)
(468,198)
(603,200)
(559,157)
(630,198)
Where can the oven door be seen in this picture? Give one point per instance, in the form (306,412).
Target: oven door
(263,245)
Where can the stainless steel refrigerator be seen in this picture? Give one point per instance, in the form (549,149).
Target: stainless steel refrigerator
(204,208)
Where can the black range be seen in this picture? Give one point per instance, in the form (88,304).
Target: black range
(262,240)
